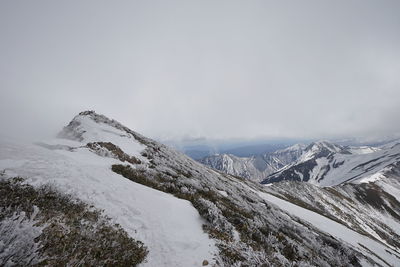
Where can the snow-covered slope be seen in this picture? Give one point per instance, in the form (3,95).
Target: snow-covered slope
(185,213)
(170,227)
(255,168)
(377,250)
(327,164)
(371,207)
(238,166)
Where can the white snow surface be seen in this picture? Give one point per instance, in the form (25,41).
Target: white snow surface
(363,149)
(101,132)
(372,178)
(355,165)
(339,231)
(171,228)
(316,147)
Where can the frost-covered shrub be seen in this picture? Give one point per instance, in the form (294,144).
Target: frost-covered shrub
(17,239)
(44,227)
(107,149)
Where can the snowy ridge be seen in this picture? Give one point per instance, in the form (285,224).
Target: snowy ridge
(218,219)
(231,164)
(329,164)
(362,243)
(89,126)
(371,208)
(170,227)
(255,168)
(311,161)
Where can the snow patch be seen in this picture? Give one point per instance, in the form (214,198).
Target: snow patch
(92,131)
(372,178)
(171,228)
(339,231)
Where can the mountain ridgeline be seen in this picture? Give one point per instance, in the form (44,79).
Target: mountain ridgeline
(323,163)
(175,211)
(255,168)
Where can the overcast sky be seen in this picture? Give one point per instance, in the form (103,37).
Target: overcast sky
(215,69)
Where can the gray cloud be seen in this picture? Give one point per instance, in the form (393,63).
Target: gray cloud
(192,69)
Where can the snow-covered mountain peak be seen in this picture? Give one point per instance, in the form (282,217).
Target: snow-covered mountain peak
(295,147)
(321,149)
(319,145)
(89,127)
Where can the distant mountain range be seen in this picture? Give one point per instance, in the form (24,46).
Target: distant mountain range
(328,164)
(256,167)
(321,162)
(240,150)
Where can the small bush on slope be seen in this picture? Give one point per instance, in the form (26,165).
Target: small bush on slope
(59,231)
(109,149)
